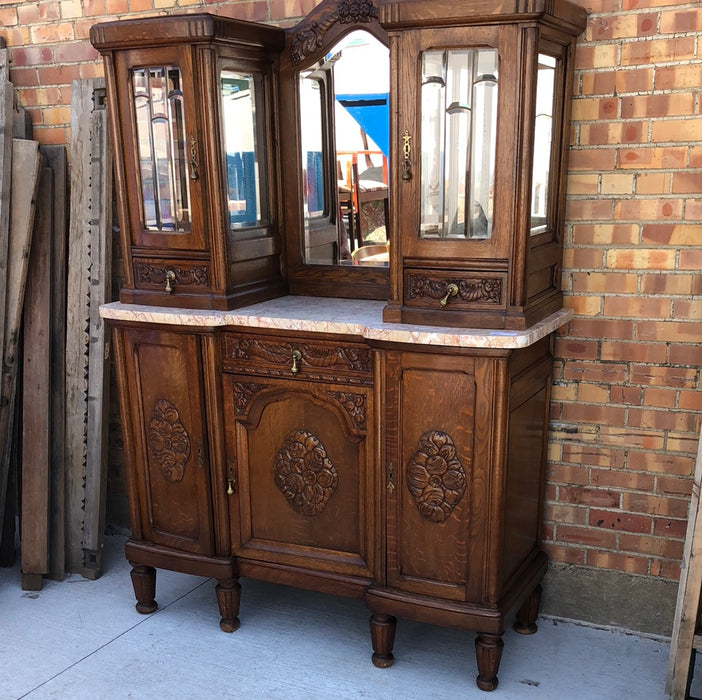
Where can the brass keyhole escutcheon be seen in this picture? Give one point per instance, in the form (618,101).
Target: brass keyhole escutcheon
(451,291)
(296,361)
(170,281)
(406,159)
(391,479)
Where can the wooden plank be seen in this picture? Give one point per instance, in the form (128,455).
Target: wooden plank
(26,162)
(36,395)
(6,121)
(689,592)
(98,409)
(88,284)
(55,157)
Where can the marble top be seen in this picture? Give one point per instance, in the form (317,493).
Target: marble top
(357,317)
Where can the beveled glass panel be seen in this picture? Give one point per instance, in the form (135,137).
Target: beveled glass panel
(162,148)
(458,136)
(543,136)
(312,134)
(242,109)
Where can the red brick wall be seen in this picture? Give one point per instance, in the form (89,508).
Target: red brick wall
(627,399)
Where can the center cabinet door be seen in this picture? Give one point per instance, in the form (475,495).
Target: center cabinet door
(439,414)
(300,458)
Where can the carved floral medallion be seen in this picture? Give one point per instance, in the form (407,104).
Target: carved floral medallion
(168,440)
(304,474)
(435,476)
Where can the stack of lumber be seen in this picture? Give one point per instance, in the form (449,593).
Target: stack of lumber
(54,274)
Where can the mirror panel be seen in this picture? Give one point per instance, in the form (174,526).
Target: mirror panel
(458,136)
(345,143)
(242,113)
(543,136)
(162,148)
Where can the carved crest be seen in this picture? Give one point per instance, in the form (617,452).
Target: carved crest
(304,474)
(309,34)
(168,440)
(486,289)
(435,476)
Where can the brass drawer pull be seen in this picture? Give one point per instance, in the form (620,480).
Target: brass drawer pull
(296,361)
(451,291)
(170,281)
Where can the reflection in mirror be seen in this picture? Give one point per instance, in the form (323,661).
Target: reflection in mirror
(161,144)
(458,136)
(241,111)
(345,142)
(543,134)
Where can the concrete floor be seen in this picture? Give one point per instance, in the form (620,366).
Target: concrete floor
(83,639)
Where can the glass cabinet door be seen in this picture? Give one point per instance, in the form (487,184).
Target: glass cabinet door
(160,132)
(458,121)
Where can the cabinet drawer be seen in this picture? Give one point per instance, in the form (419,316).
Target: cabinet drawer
(432,289)
(177,275)
(295,357)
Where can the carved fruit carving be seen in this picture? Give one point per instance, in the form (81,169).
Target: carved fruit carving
(169,441)
(304,474)
(435,476)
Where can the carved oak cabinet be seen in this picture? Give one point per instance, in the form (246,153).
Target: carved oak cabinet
(283,418)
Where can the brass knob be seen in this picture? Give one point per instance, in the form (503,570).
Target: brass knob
(451,291)
(296,358)
(170,281)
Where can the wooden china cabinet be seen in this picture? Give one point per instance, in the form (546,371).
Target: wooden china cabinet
(295,409)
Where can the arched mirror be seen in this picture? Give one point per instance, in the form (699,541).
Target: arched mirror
(337,203)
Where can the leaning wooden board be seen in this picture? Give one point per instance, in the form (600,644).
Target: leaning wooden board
(86,356)
(36,396)
(685,640)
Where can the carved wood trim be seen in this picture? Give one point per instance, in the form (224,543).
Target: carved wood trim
(487,289)
(243,393)
(309,34)
(354,405)
(168,441)
(436,478)
(304,474)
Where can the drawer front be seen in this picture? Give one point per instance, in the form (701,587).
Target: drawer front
(172,276)
(437,289)
(295,357)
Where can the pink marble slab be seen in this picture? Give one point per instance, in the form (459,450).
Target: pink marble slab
(345,316)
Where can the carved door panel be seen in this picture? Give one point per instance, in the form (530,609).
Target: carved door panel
(300,453)
(165,438)
(435,488)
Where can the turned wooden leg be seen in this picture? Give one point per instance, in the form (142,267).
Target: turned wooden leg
(228,598)
(488,652)
(144,583)
(382,629)
(527,614)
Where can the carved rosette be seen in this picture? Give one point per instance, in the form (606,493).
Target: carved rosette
(146,273)
(168,440)
(304,474)
(309,34)
(354,405)
(435,476)
(482,290)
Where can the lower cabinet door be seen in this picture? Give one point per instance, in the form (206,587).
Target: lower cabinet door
(164,420)
(300,455)
(436,489)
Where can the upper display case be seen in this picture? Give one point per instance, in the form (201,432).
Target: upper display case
(411,151)
(193,103)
